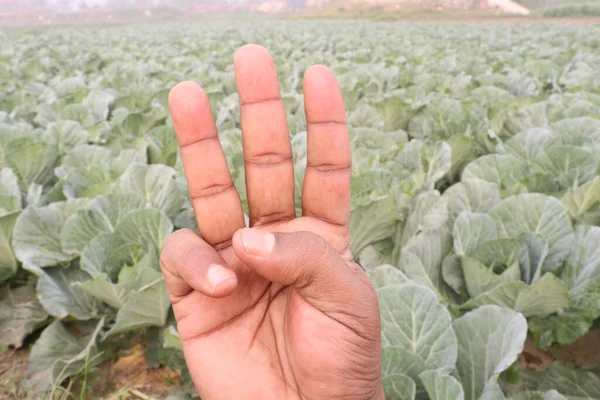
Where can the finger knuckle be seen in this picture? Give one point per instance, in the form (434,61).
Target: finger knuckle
(177,246)
(312,248)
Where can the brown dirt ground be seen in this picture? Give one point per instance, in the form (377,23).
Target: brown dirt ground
(129,378)
(13,369)
(584,353)
(125,378)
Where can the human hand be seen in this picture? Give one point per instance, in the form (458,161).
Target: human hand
(278,310)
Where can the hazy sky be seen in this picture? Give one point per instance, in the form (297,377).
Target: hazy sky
(92,3)
(89,2)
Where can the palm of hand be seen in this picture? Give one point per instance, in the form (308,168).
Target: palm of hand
(300,322)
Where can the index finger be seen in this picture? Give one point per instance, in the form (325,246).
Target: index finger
(215,200)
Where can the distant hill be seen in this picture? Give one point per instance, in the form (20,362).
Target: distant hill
(506,6)
(534,4)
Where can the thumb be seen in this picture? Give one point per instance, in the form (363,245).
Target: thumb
(306,261)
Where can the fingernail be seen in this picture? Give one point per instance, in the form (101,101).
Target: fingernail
(257,242)
(218,274)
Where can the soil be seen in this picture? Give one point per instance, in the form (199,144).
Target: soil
(128,377)
(13,369)
(130,371)
(125,378)
(584,353)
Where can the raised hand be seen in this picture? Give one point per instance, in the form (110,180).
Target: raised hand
(278,310)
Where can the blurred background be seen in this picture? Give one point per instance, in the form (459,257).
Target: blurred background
(48,12)
(445,99)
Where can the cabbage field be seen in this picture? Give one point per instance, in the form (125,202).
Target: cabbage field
(476,193)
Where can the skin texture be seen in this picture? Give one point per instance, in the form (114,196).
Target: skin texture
(278,310)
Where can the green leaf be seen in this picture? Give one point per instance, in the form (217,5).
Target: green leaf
(148,227)
(77,112)
(429,213)
(528,144)
(57,292)
(186,219)
(581,274)
(480,279)
(464,151)
(36,235)
(571,382)
(492,390)
(171,338)
(421,260)
(20,314)
(410,158)
(504,295)
(396,113)
(138,124)
(577,131)
(85,171)
(101,288)
(144,272)
(387,275)
(475,195)
(564,329)
(582,271)
(377,254)
(547,296)
(163,146)
(397,360)
(65,135)
(583,202)
(131,124)
(8,261)
(371,223)
(437,159)
(140,232)
(98,103)
(34,196)
(155,184)
(529,112)
(10,194)
(441,118)
(32,162)
(532,255)
(441,386)
(412,320)
(471,230)
(399,387)
(567,165)
(452,273)
(129,279)
(366,116)
(539,214)
(504,170)
(126,158)
(489,341)
(58,354)
(103,214)
(501,252)
(106,254)
(148,306)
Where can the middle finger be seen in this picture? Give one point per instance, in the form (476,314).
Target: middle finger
(266,138)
